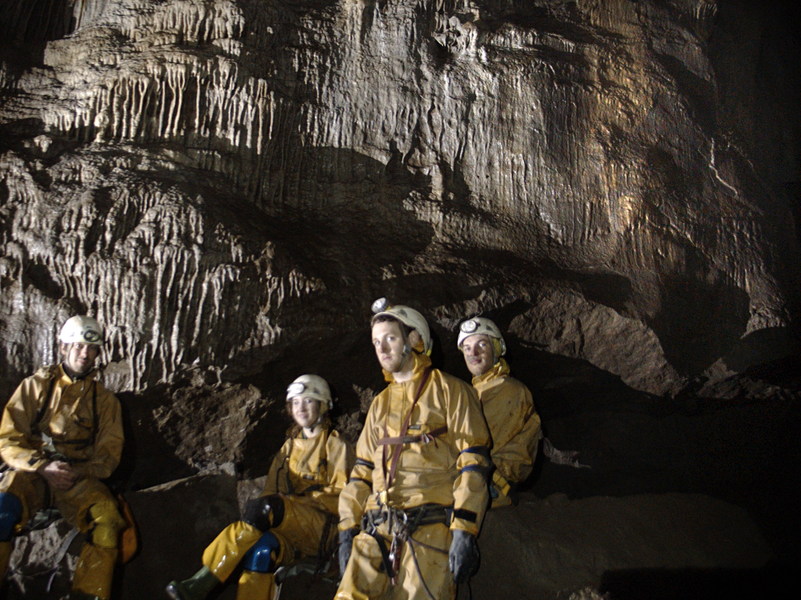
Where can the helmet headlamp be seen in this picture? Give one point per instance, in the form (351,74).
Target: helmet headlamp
(380,305)
(481,325)
(295,389)
(468,326)
(406,315)
(311,386)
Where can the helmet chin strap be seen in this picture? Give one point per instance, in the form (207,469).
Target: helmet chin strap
(75,376)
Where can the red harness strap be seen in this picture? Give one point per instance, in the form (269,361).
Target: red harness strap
(399,441)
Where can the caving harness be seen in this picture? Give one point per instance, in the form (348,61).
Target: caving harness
(49,446)
(402,523)
(128,543)
(327,543)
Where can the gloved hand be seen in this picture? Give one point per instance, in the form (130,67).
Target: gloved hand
(264,512)
(345,547)
(463,556)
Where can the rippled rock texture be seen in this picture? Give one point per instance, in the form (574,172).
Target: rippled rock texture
(228,184)
(217,180)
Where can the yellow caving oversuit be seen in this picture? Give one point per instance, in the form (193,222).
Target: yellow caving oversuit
(51,416)
(439,485)
(308,474)
(514,425)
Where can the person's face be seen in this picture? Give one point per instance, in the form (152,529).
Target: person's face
(478,354)
(79,357)
(305,411)
(388,344)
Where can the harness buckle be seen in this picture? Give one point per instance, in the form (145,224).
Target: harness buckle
(399,529)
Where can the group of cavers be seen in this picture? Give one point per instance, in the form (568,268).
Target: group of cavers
(400,515)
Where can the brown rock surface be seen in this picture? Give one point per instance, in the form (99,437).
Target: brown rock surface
(228,184)
(209,176)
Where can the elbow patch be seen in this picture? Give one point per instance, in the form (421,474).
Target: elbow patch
(484,470)
(482,451)
(362,462)
(465,515)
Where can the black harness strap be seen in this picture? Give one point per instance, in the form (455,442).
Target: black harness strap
(427,514)
(45,404)
(382,546)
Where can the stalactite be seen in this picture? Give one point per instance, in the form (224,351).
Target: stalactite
(558,134)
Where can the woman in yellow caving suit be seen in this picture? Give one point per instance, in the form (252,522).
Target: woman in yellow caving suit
(296,515)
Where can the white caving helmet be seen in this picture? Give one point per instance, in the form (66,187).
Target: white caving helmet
(81,329)
(406,315)
(479,325)
(314,387)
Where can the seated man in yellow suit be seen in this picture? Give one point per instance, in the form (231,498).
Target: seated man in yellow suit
(507,404)
(60,435)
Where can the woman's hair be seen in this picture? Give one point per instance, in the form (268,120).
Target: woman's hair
(294,429)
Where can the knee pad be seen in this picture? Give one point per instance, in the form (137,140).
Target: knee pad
(10,514)
(264,513)
(106,524)
(260,556)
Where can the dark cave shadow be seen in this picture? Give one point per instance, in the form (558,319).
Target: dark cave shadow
(348,219)
(27,27)
(766,353)
(699,322)
(636,442)
(147,459)
(346,227)
(772,581)
(739,450)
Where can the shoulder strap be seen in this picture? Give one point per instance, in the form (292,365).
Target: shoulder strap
(323,467)
(95,417)
(289,487)
(393,467)
(45,400)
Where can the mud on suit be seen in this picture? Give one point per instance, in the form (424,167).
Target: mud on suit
(439,482)
(51,416)
(514,425)
(308,474)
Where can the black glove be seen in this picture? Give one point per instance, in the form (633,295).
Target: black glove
(463,556)
(345,546)
(264,512)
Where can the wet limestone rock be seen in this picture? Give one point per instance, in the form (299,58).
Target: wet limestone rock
(228,184)
(217,179)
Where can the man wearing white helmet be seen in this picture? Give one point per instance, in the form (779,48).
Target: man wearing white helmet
(61,433)
(413,506)
(296,514)
(507,405)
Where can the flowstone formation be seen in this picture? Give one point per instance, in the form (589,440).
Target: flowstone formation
(170,165)
(228,184)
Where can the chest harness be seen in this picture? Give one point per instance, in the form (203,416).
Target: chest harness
(327,543)
(49,444)
(401,523)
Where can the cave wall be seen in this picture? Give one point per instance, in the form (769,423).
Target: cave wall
(228,184)
(220,180)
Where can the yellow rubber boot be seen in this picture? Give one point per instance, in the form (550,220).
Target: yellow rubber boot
(5,557)
(226,551)
(256,586)
(94,571)
(95,568)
